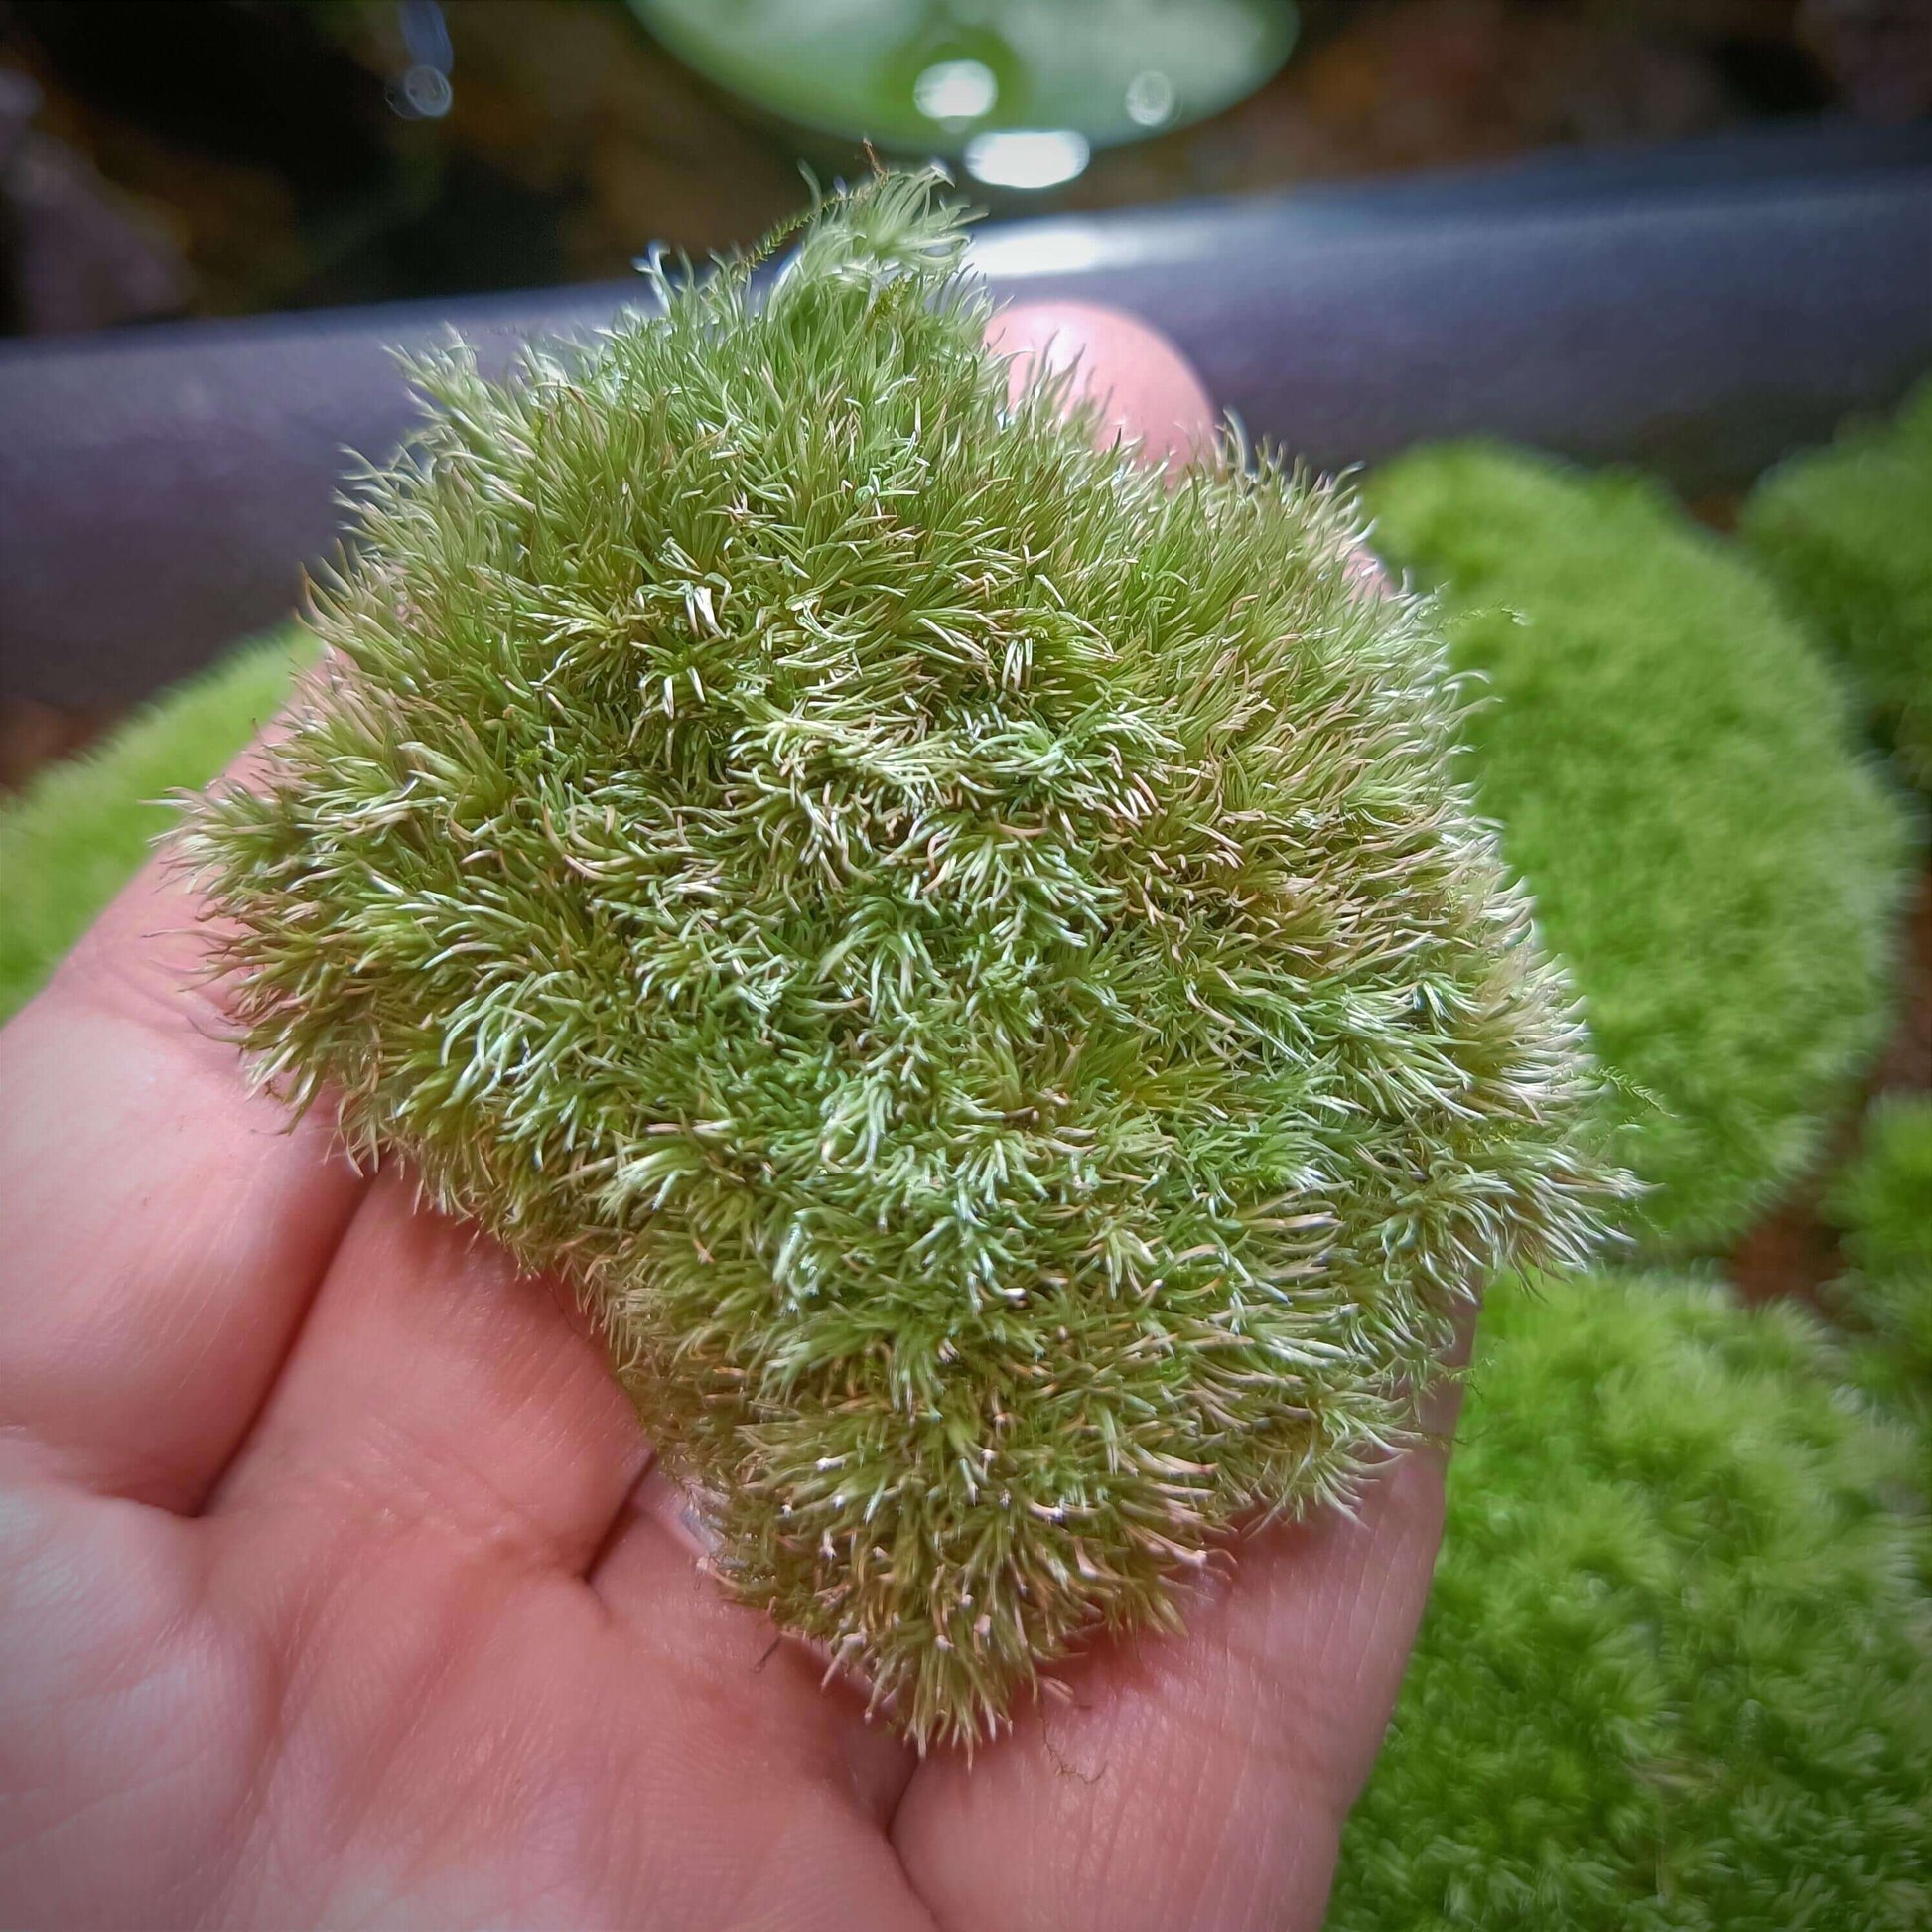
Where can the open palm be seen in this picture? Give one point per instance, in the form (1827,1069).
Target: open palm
(336,1586)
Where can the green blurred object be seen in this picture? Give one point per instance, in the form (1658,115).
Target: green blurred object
(1676,1672)
(1846,532)
(1017,88)
(1883,1203)
(1675,774)
(77,833)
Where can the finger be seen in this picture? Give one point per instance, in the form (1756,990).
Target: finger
(165,1227)
(434,1387)
(1366,572)
(1198,1781)
(654,1578)
(1143,386)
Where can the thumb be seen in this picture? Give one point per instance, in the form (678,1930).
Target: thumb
(1146,389)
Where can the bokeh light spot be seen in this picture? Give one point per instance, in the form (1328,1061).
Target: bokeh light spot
(955,90)
(1028,157)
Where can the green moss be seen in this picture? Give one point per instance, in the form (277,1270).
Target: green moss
(1883,1203)
(1674,1672)
(1672,768)
(972,958)
(71,840)
(1846,532)
(1882,1198)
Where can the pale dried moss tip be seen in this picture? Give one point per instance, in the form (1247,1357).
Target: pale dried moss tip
(974,961)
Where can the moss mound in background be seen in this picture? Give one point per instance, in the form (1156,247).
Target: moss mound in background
(71,840)
(1882,1202)
(1672,769)
(1675,1672)
(1846,532)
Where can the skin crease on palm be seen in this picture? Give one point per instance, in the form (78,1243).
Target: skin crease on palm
(337,1585)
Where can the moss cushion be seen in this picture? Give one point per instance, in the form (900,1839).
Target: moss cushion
(1675,772)
(1675,1671)
(1846,532)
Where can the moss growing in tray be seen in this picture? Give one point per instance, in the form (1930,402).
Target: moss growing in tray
(1676,778)
(972,960)
(1846,532)
(1676,1674)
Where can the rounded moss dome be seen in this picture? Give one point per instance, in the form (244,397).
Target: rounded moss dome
(1842,531)
(1881,1203)
(971,958)
(1676,1672)
(1675,772)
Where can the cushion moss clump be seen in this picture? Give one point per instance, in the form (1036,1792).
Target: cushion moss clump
(1674,772)
(71,840)
(1882,1202)
(1846,532)
(1675,1675)
(972,960)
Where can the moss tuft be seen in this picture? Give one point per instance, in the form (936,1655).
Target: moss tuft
(1675,1673)
(1882,1202)
(1674,772)
(972,959)
(1846,533)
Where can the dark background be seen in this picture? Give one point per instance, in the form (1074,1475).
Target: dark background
(228,157)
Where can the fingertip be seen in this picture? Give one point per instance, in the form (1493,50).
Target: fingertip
(1146,387)
(1367,574)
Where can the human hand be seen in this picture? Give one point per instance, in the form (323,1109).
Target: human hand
(337,1585)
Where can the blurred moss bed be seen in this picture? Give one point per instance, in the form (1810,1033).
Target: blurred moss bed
(1677,1667)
